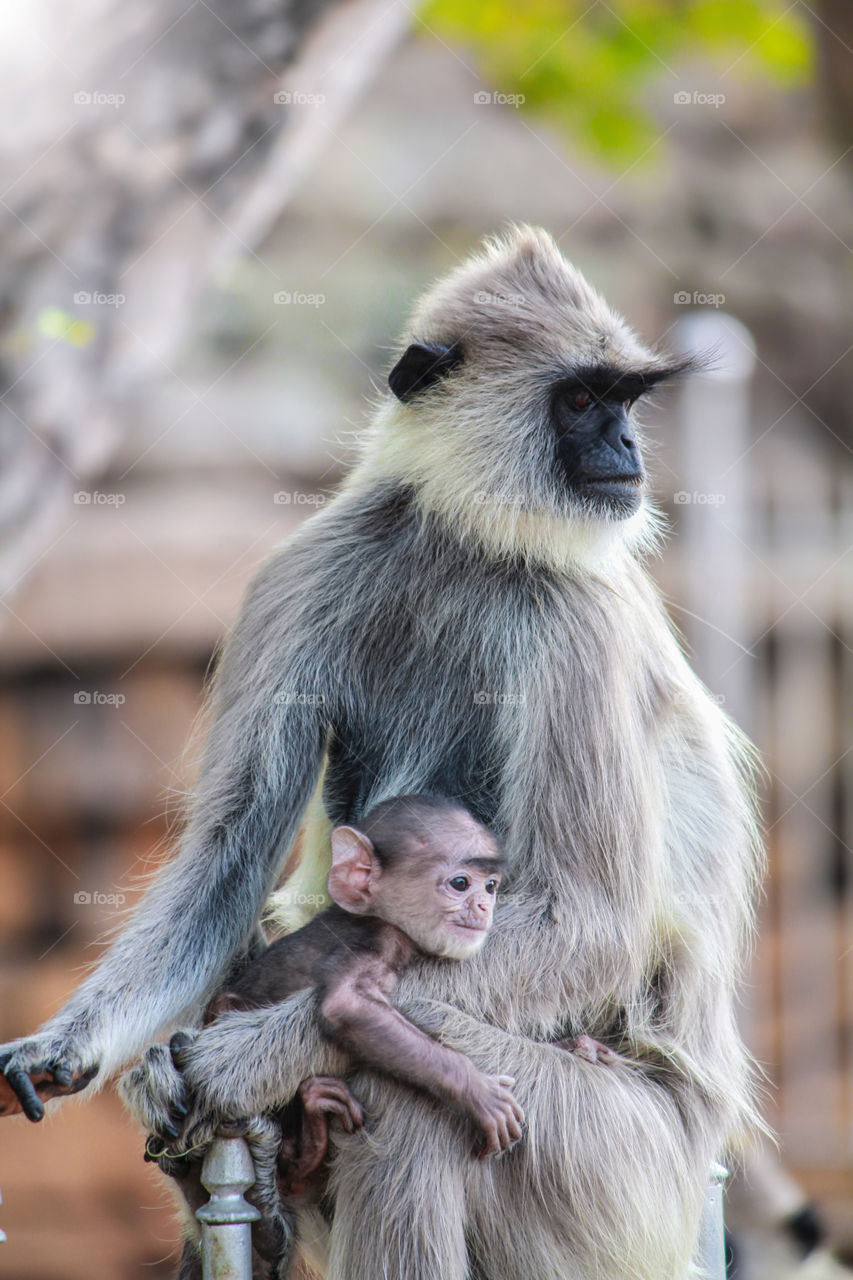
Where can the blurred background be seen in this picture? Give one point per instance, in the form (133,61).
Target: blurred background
(214,216)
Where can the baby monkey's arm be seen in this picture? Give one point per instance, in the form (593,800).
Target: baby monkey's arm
(356,1013)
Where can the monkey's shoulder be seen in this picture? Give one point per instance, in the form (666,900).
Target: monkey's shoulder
(334,942)
(378,542)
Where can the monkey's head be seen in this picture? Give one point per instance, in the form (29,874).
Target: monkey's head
(426,866)
(514,403)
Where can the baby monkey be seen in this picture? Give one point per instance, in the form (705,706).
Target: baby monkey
(417,876)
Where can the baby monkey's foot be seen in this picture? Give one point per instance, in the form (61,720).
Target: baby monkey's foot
(588,1049)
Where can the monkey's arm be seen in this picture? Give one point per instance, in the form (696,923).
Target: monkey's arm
(262,757)
(357,1014)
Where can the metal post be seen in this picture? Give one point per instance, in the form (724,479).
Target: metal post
(226,1220)
(716,505)
(711,1251)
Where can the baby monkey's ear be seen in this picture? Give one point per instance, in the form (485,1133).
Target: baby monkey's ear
(355,870)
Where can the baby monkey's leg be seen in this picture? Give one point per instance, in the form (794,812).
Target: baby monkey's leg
(321,1097)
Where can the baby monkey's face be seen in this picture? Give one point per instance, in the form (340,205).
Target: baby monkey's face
(436,881)
(445,906)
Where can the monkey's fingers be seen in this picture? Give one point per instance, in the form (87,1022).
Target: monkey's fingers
(489,1144)
(19,1094)
(178,1045)
(27,1089)
(504,1131)
(517,1111)
(331,1095)
(349,1121)
(515,1126)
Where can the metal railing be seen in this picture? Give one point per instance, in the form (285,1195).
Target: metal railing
(226,1220)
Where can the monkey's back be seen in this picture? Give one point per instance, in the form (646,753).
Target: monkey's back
(311,957)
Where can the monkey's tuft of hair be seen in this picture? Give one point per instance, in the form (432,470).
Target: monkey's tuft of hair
(401,825)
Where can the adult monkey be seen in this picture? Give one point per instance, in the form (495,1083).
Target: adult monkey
(470,618)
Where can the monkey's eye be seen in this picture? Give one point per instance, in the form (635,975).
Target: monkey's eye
(460,883)
(491,886)
(581,399)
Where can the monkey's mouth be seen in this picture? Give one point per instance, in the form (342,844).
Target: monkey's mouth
(621,482)
(471,928)
(619,496)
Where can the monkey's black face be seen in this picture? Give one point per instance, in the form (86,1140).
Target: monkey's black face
(598,456)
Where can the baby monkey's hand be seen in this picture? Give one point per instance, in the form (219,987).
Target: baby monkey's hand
(495,1111)
(590,1050)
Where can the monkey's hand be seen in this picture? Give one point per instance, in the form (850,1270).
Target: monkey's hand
(590,1050)
(39,1068)
(495,1111)
(155,1091)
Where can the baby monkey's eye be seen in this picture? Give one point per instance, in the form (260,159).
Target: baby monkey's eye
(491,886)
(460,883)
(581,399)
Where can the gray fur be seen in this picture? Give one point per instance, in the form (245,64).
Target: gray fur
(458,622)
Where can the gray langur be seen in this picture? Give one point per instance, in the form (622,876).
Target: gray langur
(470,617)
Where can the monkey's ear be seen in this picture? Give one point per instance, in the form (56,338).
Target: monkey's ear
(355,869)
(422,365)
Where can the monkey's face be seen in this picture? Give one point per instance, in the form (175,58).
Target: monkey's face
(512,411)
(596,443)
(446,909)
